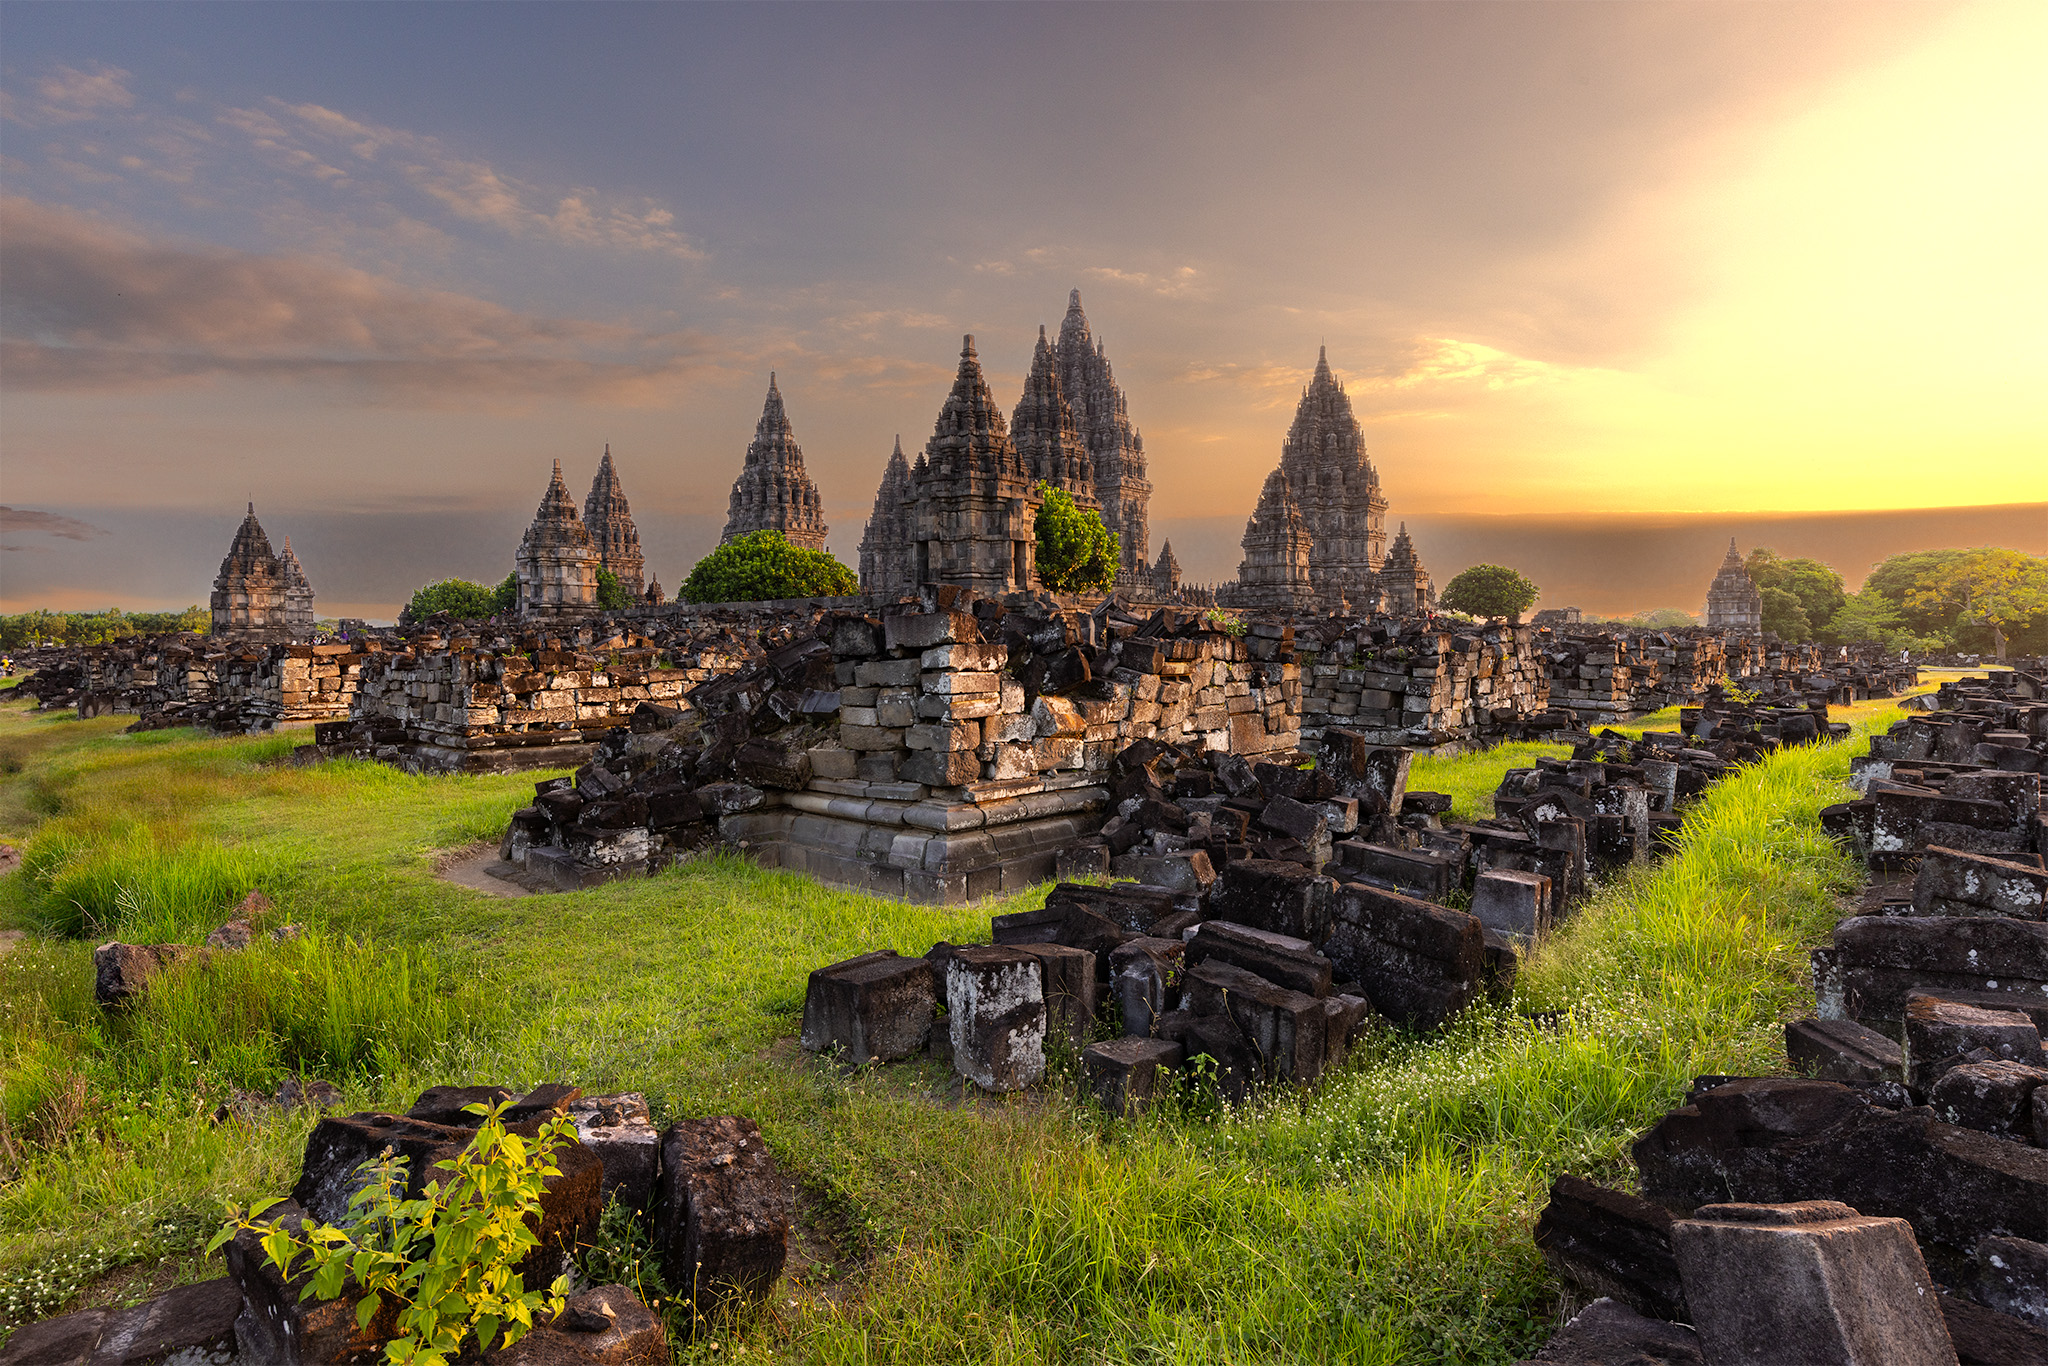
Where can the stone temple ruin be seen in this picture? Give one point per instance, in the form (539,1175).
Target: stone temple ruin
(1317,539)
(1734,602)
(261,595)
(773,491)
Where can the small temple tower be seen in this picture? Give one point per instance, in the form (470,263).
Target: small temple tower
(888,567)
(610,523)
(973,509)
(1166,571)
(298,594)
(1404,580)
(1116,452)
(1734,602)
(773,492)
(557,564)
(249,594)
(1274,574)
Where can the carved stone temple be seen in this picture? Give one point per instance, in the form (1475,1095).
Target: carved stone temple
(557,562)
(773,491)
(610,523)
(1329,493)
(888,562)
(973,504)
(1403,580)
(1116,451)
(1734,602)
(260,593)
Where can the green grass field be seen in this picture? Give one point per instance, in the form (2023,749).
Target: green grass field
(1383,1218)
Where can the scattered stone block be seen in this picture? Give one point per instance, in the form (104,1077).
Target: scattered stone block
(1273,894)
(1843,1050)
(1285,1029)
(121,971)
(1940,1033)
(620,1133)
(1609,1333)
(723,1215)
(1414,872)
(339,1144)
(1345,1018)
(1610,1243)
(1280,959)
(2012,1277)
(1073,993)
(606,1325)
(1139,971)
(1189,874)
(1957,882)
(995,1009)
(1126,1075)
(1514,903)
(874,1008)
(1419,963)
(1811,1281)
(1088,858)
(1996,1097)
(281,1323)
(193,1322)
(1986,1337)
(1876,961)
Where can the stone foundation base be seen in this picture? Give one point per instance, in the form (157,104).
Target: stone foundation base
(905,862)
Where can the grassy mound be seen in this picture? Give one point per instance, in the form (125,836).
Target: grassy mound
(1383,1218)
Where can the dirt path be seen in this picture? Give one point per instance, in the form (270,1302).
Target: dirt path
(473,868)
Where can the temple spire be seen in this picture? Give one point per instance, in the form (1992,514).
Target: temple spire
(773,491)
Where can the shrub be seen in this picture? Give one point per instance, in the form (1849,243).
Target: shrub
(1489,590)
(764,565)
(611,594)
(459,598)
(445,1259)
(1076,552)
(505,597)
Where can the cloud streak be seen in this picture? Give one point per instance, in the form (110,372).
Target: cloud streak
(31,522)
(92,307)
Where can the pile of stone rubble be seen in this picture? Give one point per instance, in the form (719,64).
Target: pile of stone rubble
(716,1204)
(1922,1101)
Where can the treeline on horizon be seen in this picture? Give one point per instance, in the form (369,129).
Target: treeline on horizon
(1984,600)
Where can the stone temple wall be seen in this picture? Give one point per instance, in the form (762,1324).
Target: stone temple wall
(224,684)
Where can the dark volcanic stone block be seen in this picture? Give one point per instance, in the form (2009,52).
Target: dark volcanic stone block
(1610,1243)
(1418,963)
(1808,1282)
(1986,1337)
(1281,959)
(724,1214)
(1939,1033)
(1513,902)
(1842,1050)
(1273,894)
(1285,1028)
(995,1009)
(1417,872)
(122,970)
(1954,882)
(2012,1277)
(281,1323)
(1125,1075)
(339,1145)
(620,1133)
(1876,961)
(1139,971)
(1997,1097)
(606,1325)
(1073,994)
(1609,1333)
(876,1008)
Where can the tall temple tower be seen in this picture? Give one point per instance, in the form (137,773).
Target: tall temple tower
(256,593)
(773,492)
(973,508)
(1734,602)
(1337,494)
(557,563)
(1042,427)
(610,523)
(888,562)
(1115,450)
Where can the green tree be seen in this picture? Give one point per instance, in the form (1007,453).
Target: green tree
(1489,590)
(1994,595)
(459,598)
(763,565)
(611,594)
(1076,552)
(505,597)
(1818,587)
(1864,617)
(1785,616)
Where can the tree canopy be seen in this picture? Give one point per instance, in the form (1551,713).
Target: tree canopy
(1814,586)
(1076,552)
(764,565)
(1785,616)
(1960,599)
(611,594)
(459,598)
(1489,590)
(96,628)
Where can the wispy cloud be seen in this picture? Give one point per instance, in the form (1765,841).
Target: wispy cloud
(31,522)
(89,306)
(328,146)
(1181,282)
(66,94)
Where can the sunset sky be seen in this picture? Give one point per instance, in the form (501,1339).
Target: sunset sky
(1581,266)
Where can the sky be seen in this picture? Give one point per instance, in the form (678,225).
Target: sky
(1589,272)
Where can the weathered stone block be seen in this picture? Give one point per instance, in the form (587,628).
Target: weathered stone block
(1190,874)
(1843,1050)
(120,971)
(1417,872)
(1072,990)
(1139,972)
(995,1007)
(1607,1242)
(1812,1281)
(1273,894)
(922,631)
(1955,882)
(1418,963)
(619,1131)
(281,1323)
(1284,1028)
(723,1215)
(1996,1097)
(1940,1033)
(1514,903)
(1608,1333)
(1280,959)
(2012,1277)
(941,768)
(1125,1075)
(606,1325)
